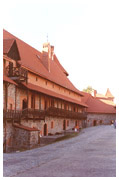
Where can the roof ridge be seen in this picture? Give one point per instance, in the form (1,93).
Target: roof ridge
(30,61)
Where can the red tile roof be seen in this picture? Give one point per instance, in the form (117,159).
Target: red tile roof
(7,79)
(53,94)
(97,106)
(29,59)
(7,44)
(60,66)
(25,127)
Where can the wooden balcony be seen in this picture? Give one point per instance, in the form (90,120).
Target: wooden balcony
(52,111)
(17,73)
(41,114)
(12,115)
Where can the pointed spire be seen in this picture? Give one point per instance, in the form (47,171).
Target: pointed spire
(108,93)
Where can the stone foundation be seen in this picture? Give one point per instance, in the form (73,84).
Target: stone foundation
(8,137)
(57,124)
(15,138)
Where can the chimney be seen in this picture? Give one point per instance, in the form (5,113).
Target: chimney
(52,53)
(95,92)
(47,55)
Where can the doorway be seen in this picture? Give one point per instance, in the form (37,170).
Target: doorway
(100,122)
(64,125)
(94,123)
(24,104)
(45,129)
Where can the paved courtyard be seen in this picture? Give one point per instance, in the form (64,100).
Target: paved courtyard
(90,154)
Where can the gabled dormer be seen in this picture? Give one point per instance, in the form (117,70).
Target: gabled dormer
(10,49)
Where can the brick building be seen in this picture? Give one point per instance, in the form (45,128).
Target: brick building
(39,99)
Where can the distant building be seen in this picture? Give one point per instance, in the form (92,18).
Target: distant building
(101,108)
(39,99)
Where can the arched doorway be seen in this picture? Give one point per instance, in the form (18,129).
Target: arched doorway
(24,104)
(64,125)
(94,123)
(45,129)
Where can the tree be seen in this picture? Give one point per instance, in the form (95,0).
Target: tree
(89,89)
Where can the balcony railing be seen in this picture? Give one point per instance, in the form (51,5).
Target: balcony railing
(41,114)
(12,114)
(52,111)
(17,73)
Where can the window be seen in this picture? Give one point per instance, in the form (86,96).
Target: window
(52,103)
(76,123)
(67,122)
(36,79)
(46,83)
(52,124)
(10,69)
(74,109)
(45,104)
(32,101)
(10,106)
(65,106)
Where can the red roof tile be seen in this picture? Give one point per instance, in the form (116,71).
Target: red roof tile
(25,127)
(7,44)
(7,79)
(53,94)
(29,59)
(97,106)
(60,66)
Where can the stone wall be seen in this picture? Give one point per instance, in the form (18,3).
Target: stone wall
(105,119)
(57,124)
(3,95)
(17,138)
(8,134)
(24,139)
(11,96)
(21,95)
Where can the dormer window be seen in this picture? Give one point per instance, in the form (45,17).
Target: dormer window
(38,56)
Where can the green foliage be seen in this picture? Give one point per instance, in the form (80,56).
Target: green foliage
(89,89)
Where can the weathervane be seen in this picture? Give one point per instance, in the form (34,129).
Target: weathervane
(47,37)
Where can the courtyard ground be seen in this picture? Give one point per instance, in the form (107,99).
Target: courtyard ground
(90,154)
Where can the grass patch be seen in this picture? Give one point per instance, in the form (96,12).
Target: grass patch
(67,136)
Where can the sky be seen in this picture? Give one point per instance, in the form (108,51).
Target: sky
(85,34)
